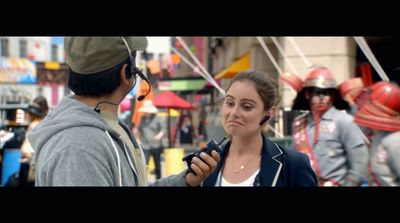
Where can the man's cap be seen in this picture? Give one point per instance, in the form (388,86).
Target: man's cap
(89,55)
(382,110)
(322,78)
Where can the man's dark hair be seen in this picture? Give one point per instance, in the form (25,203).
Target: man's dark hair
(97,84)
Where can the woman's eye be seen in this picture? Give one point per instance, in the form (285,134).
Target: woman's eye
(247,107)
(229,103)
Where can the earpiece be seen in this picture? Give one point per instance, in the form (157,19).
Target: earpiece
(264,120)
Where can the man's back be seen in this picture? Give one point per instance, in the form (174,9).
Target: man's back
(72,148)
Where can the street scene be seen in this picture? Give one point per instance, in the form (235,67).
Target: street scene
(209,111)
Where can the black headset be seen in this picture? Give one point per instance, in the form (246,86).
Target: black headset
(132,70)
(264,120)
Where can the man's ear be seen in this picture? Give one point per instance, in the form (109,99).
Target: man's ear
(125,77)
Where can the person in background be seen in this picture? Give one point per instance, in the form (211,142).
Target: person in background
(37,111)
(250,158)
(334,143)
(184,131)
(381,113)
(151,131)
(356,94)
(202,133)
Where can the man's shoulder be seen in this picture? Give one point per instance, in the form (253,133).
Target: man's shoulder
(85,131)
(340,116)
(75,139)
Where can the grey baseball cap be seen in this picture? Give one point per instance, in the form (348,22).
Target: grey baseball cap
(88,55)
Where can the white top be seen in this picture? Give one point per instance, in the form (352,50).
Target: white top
(249,182)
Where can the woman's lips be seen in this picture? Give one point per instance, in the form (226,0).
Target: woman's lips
(234,122)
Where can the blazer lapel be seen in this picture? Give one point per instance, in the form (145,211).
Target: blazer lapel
(271,163)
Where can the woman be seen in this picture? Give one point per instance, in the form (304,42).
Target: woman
(250,158)
(37,111)
(184,131)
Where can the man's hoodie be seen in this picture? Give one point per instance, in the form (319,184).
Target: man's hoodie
(74,146)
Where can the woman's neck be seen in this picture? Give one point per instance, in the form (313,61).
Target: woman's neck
(246,145)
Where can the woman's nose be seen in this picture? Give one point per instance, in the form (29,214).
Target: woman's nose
(235,111)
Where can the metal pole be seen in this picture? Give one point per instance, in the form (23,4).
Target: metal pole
(372,59)
(169,129)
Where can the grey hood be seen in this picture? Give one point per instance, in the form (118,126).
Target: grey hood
(87,152)
(75,146)
(68,114)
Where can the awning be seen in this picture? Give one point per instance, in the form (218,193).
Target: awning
(241,64)
(181,85)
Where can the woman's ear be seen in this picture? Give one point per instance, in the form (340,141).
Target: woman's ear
(272,112)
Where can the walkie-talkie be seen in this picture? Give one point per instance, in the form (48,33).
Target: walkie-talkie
(211,145)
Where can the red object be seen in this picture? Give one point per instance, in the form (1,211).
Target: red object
(382,111)
(54,95)
(125,105)
(292,80)
(178,44)
(386,94)
(30,56)
(366,74)
(168,99)
(320,78)
(353,85)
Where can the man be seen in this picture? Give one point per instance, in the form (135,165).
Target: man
(333,142)
(82,142)
(151,130)
(381,113)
